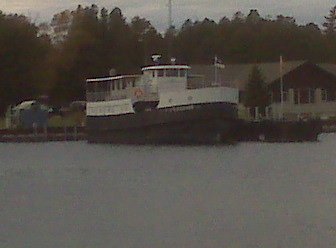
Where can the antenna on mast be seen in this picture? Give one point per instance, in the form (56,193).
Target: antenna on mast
(170,14)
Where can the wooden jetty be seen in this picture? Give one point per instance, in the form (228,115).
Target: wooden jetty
(278,131)
(257,131)
(42,135)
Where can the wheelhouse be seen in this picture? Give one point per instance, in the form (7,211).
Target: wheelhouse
(177,71)
(167,78)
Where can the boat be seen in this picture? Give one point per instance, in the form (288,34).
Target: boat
(165,104)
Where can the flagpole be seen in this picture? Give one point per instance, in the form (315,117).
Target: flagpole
(216,72)
(281,87)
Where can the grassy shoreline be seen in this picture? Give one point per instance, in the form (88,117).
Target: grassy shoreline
(2,123)
(73,119)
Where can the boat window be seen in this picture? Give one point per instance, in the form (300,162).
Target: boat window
(129,83)
(97,89)
(113,85)
(311,95)
(327,95)
(304,96)
(101,86)
(91,87)
(331,96)
(160,73)
(324,95)
(124,83)
(296,96)
(182,73)
(153,73)
(172,73)
(107,86)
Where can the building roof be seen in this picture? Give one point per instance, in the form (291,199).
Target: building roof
(95,80)
(236,75)
(331,68)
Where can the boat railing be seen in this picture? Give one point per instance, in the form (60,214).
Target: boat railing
(195,81)
(105,96)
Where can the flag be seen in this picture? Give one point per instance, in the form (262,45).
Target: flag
(281,88)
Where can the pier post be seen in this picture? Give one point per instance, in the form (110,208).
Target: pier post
(45,131)
(256,115)
(75,133)
(35,128)
(65,133)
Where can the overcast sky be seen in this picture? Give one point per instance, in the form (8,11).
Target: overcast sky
(304,11)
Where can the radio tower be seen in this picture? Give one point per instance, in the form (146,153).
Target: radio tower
(170,14)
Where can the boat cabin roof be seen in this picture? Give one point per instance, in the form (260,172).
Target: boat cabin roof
(161,67)
(149,68)
(111,78)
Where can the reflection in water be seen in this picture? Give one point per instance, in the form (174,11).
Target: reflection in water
(248,195)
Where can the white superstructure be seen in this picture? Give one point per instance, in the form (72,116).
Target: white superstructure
(161,86)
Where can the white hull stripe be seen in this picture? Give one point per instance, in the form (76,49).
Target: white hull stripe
(171,99)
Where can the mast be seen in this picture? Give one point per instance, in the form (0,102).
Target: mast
(170,14)
(216,70)
(281,87)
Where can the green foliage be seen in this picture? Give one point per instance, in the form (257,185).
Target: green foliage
(2,123)
(72,119)
(148,39)
(22,55)
(55,58)
(252,39)
(93,46)
(330,23)
(257,94)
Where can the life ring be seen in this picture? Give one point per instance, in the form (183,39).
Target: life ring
(138,93)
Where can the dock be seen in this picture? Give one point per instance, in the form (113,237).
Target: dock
(40,135)
(243,131)
(278,131)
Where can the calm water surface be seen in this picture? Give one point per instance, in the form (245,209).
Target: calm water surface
(250,195)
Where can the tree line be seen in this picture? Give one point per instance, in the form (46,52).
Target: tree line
(55,58)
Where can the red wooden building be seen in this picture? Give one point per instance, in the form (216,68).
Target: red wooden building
(309,88)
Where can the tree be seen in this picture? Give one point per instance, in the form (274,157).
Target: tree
(78,56)
(23,59)
(96,43)
(169,43)
(330,23)
(253,16)
(238,17)
(103,15)
(285,19)
(87,43)
(224,21)
(187,24)
(60,24)
(148,38)
(257,94)
(140,26)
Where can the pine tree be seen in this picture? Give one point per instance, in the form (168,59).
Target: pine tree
(330,23)
(257,93)
(23,55)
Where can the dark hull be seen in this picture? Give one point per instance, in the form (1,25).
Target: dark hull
(194,124)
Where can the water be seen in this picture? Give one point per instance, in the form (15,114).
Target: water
(75,195)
